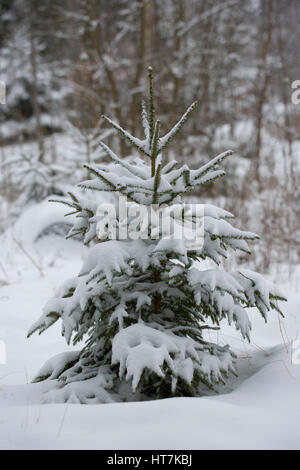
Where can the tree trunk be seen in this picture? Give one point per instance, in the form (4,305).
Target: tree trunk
(262,95)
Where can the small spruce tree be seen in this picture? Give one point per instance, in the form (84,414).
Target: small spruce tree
(35,180)
(85,142)
(142,306)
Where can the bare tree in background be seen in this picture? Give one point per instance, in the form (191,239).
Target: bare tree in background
(263,78)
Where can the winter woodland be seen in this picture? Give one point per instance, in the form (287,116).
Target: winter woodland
(147,340)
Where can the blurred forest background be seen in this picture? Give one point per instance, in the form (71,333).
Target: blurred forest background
(65,63)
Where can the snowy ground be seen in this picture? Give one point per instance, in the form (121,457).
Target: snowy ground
(259,410)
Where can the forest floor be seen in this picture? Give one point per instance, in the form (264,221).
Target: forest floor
(259,410)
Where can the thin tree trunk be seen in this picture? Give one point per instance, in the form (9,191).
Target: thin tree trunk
(263,90)
(36,106)
(177,78)
(140,64)
(97,41)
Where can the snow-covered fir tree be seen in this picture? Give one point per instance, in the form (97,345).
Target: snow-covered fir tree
(143,305)
(35,179)
(85,142)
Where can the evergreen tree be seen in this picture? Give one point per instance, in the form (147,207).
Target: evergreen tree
(85,142)
(35,179)
(143,305)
